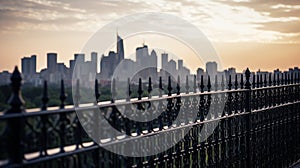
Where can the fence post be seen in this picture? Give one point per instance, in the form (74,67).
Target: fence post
(248,111)
(15,126)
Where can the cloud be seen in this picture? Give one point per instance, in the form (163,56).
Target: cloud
(223,20)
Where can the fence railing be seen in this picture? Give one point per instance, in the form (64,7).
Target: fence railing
(256,121)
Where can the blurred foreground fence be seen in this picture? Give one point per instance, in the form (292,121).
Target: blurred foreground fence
(257,123)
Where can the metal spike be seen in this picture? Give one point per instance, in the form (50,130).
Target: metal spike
(208,84)
(16,101)
(247,74)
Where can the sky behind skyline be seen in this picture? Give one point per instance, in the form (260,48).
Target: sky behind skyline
(245,33)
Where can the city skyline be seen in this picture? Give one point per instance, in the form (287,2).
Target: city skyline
(245,33)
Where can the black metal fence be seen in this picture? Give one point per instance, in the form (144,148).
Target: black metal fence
(259,126)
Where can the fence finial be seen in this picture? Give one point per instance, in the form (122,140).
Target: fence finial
(169,86)
(16,101)
(208,83)
(253,81)
(247,74)
(15,128)
(45,98)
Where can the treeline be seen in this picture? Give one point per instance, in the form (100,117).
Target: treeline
(32,95)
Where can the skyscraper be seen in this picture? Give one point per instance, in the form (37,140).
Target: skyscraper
(120,48)
(211,68)
(109,63)
(164,60)
(52,62)
(29,65)
(94,59)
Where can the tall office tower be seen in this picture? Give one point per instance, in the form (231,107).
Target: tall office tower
(52,62)
(120,48)
(33,64)
(25,65)
(180,64)
(142,56)
(211,68)
(153,57)
(164,60)
(79,57)
(94,59)
(29,65)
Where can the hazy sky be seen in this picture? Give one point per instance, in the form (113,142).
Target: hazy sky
(245,33)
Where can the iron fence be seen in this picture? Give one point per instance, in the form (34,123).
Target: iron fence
(256,120)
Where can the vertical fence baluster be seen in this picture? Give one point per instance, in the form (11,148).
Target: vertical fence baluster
(187,87)
(195,84)
(97,93)
(62,96)
(222,83)
(270,79)
(149,88)
(160,87)
(248,109)
(128,90)
(77,94)
(178,85)
(14,130)
(216,83)
(242,81)
(140,90)
(113,91)
(44,135)
(169,86)
(236,84)
(208,84)
(202,84)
